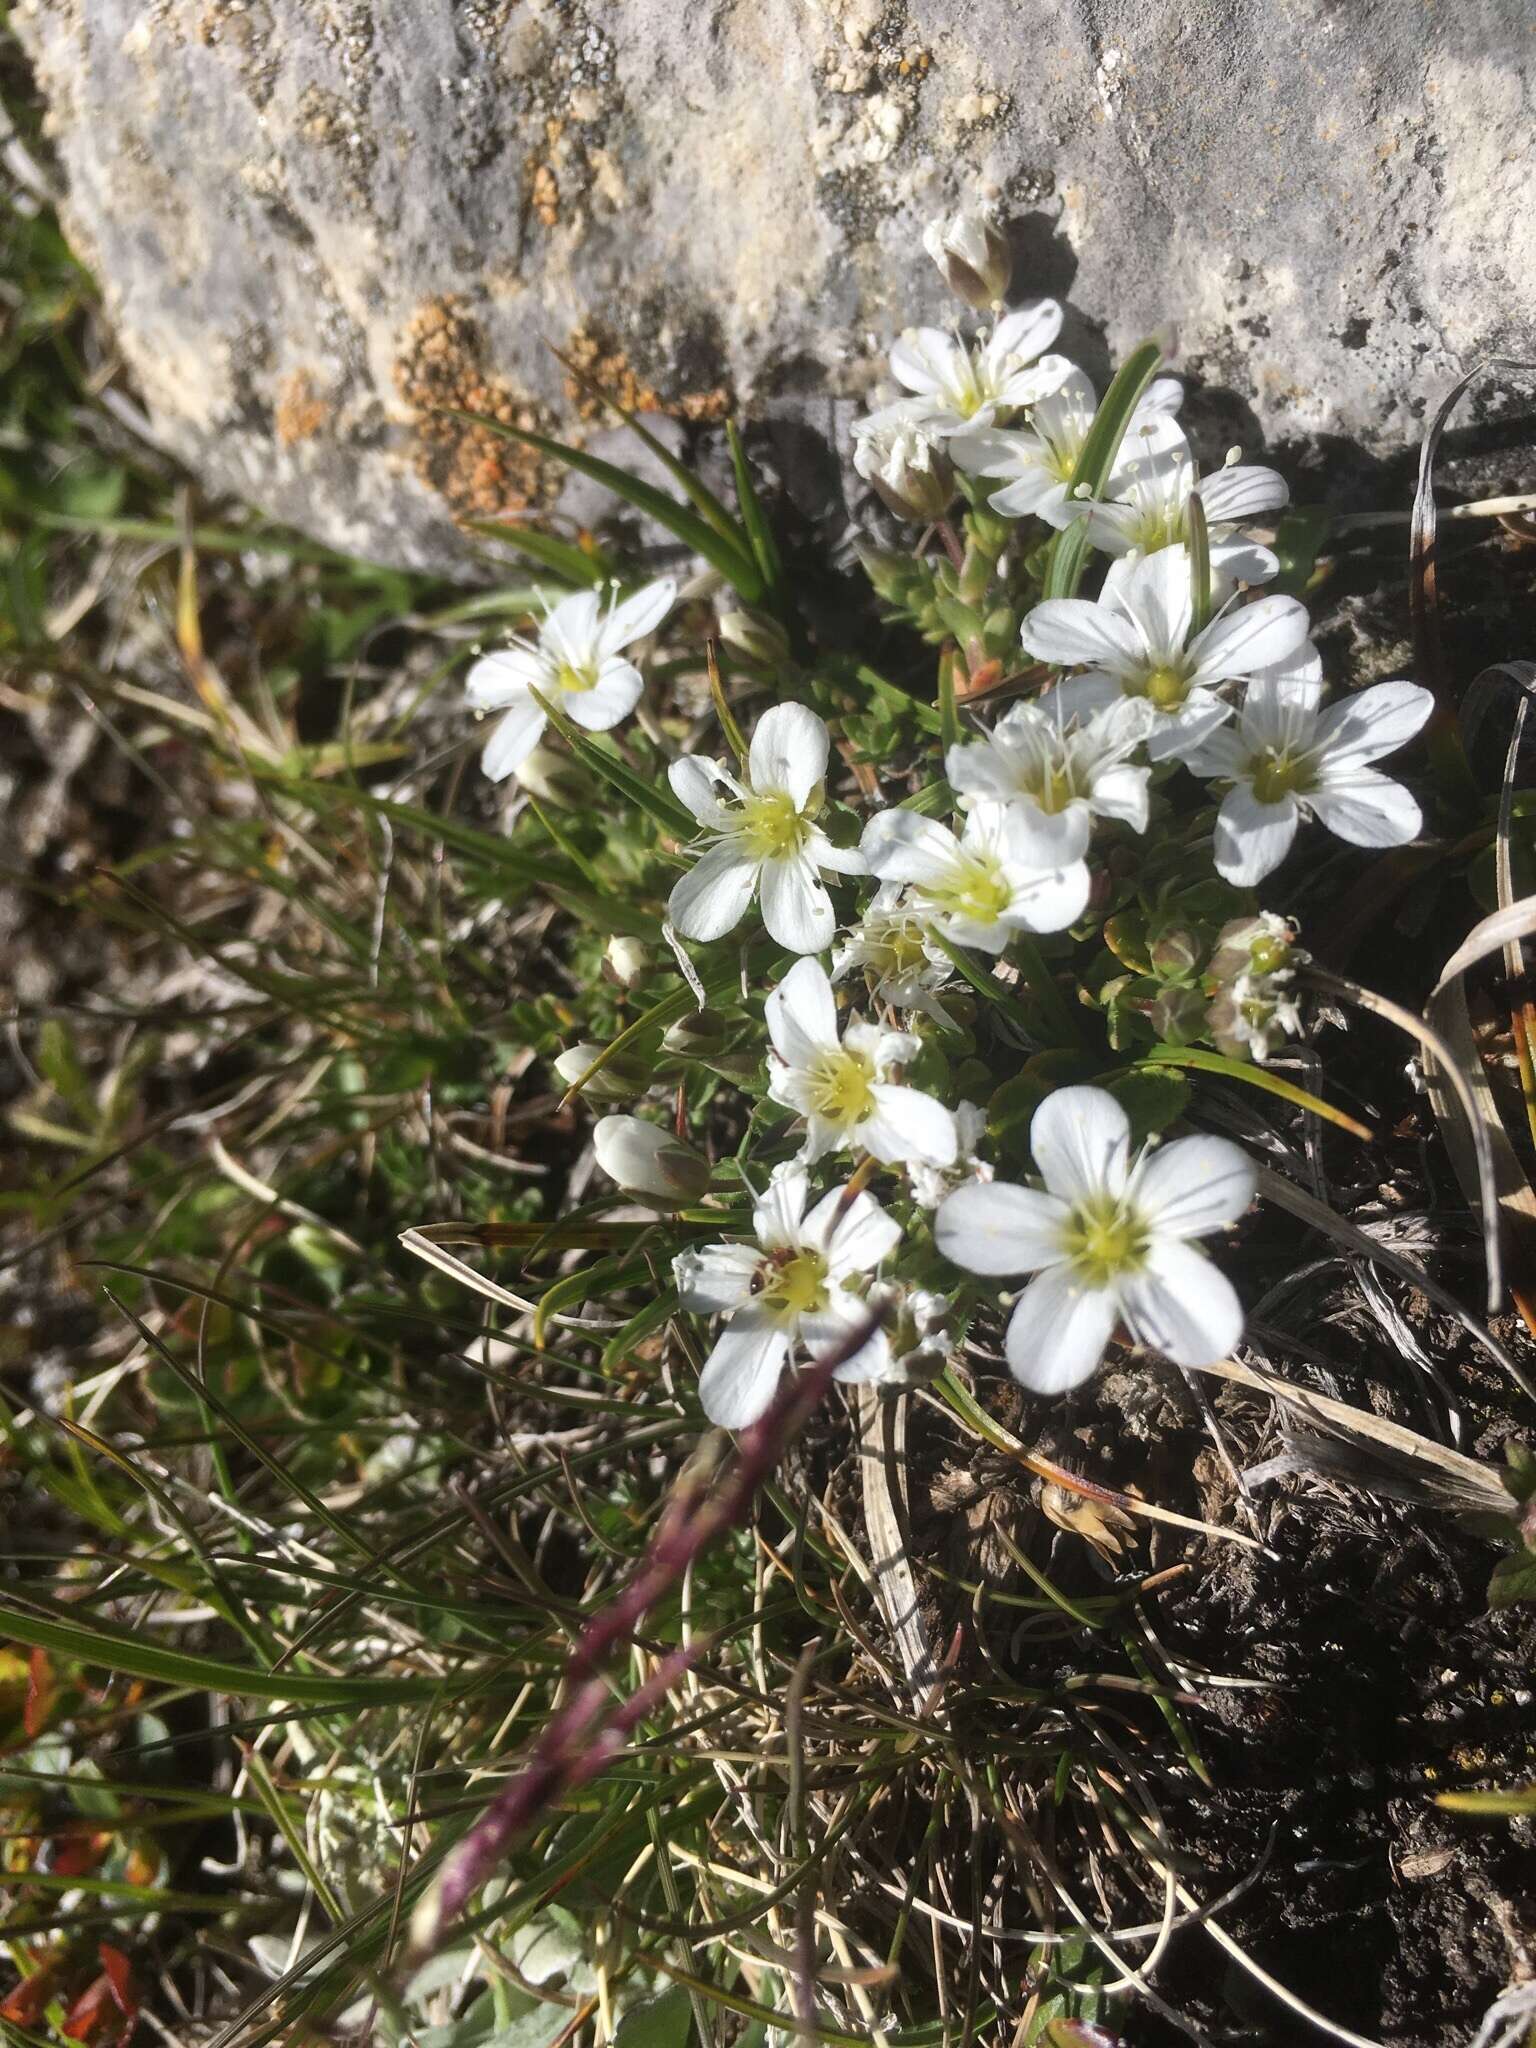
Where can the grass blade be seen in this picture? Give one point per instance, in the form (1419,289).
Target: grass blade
(1069,551)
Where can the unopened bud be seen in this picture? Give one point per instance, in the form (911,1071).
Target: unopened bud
(1174,952)
(649,1162)
(973,255)
(626,961)
(891,576)
(901,458)
(553,778)
(755,636)
(619,1080)
(698,1036)
(1178,1015)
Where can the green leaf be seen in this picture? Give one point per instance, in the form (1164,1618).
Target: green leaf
(1256,1077)
(572,564)
(730,557)
(1069,552)
(1514,1579)
(659,2023)
(655,799)
(754,519)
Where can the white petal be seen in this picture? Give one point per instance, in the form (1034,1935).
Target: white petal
(1366,808)
(637,615)
(741,1374)
(902,846)
(1070,632)
(612,697)
(872,1361)
(855,1236)
(1194,1185)
(828,1329)
(1157,592)
(1081,1141)
(1050,902)
(776,1216)
(926,359)
(1112,528)
(1026,332)
(796,907)
(788,752)
(1028,384)
(697,782)
(802,1014)
(717,1278)
(1031,838)
(1036,493)
(1243,493)
(1122,793)
(995,451)
(1220,754)
(500,679)
(1240,561)
(1190,727)
(1058,1330)
(1253,636)
(516,736)
(571,629)
(1081,696)
(713,897)
(1182,1305)
(906,1124)
(994,1227)
(1252,838)
(1377,721)
(837,860)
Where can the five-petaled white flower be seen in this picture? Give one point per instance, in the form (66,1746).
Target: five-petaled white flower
(1035,463)
(790,1288)
(841,1086)
(1287,758)
(1034,755)
(1013,869)
(1106,1239)
(967,386)
(900,453)
(1146,504)
(903,965)
(575,665)
(1135,641)
(762,834)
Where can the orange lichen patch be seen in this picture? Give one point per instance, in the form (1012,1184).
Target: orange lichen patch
(603,363)
(440,365)
(544,195)
(300,411)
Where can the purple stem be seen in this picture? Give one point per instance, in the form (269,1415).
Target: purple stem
(589,1730)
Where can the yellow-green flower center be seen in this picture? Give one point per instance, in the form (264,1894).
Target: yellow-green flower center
(842,1087)
(1166,688)
(1268,955)
(894,949)
(976,888)
(771,827)
(1105,1240)
(1054,789)
(571,679)
(794,1283)
(1277,774)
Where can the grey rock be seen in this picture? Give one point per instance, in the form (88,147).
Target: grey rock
(315,218)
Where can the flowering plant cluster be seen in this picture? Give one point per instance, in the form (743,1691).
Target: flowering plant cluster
(944,963)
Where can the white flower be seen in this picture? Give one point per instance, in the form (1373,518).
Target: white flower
(1286,759)
(1107,1239)
(900,453)
(930,1184)
(790,1288)
(1035,463)
(1034,755)
(1146,504)
(903,965)
(840,1086)
(973,255)
(575,665)
(967,386)
(1012,870)
(762,836)
(646,1160)
(1135,642)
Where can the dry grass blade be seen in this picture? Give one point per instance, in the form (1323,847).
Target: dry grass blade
(1472,1137)
(1274,1187)
(1480,1482)
(882,1455)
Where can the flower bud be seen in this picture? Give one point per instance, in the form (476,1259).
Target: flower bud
(1174,952)
(1178,1015)
(626,961)
(901,458)
(973,256)
(553,778)
(756,637)
(621,1080)
(650,1162)
(698,1036)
